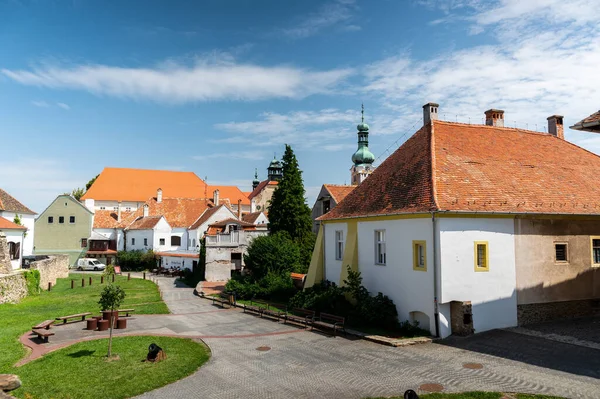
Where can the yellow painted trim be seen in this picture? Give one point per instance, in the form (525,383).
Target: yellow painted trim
(316,270)
(487,256)
(416,266)
(350,257)
(592,238)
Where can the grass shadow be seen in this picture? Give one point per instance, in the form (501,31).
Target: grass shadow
(81,353)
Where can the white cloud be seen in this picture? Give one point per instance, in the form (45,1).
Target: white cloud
(63,106)
(250,155)
(330,14)
(173,82)
(41,104)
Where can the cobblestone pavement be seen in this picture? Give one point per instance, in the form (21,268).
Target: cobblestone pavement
(310,365)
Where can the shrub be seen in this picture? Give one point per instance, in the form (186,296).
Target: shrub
(136,260)
(109,270)
(276,253)
(32,279)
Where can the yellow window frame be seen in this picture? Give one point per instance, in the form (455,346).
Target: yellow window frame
(416,262)
(592,238)
(486,267)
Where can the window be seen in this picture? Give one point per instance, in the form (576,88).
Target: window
(161,241)
(189,242)
(595,251)
(102,208)
(50,219)
(482,256)
(71,219)
(339,245)
(326,206)
(127,209)
(84,243)
(175,241)
(193,242)
(14,250)
(145,242)
(560,252)
(380,247)
(133,241)
(115,208)
(61,219)
(420,256)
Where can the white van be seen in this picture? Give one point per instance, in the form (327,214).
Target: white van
(90,264)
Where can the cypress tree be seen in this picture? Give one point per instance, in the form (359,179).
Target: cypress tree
(288,210)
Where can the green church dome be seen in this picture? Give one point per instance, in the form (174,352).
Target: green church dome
(363,156)
(362,127)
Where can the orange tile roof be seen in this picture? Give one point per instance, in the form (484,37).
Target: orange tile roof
(251,217)
(591,123)
(144,223)
(179,212)
(6,224)
(124,184)
(105,219)
(178,255)
(338,192)
(476,168)
(232,193)
(205,216)
(261,186)
(10,203)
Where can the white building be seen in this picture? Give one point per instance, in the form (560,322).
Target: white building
(9,208)
(14,238)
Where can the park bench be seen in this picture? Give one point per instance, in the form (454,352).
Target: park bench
(255,306)
(44,325)
(41,333)
(274,310)
(73,316)
(126,311)
(331,322)
(223,298)
(301,316)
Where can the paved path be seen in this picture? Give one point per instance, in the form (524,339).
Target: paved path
(304,364)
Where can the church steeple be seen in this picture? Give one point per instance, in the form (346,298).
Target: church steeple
(255,182)
(275,169)
(363,158)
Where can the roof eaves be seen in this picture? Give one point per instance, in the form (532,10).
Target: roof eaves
(433,165)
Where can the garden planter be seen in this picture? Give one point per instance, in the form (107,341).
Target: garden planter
(92,324)
(106,314)
(102,325)
(121,324)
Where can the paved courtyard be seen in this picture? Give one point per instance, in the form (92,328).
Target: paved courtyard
(304,364)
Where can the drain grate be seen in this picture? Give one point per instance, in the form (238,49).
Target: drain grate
(431,387)
(473,366)
(263,348)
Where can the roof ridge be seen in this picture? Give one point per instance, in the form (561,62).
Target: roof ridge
(476,125)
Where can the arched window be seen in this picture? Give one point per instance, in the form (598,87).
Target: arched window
(14,250)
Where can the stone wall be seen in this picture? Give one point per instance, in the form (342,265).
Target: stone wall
(542,312)
(461,315)
(56,266)
(12,288)
(5,265)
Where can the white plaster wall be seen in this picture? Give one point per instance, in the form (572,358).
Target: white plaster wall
(113,234)
(15,236)
(139,236)
(177,261)
(28,221)
(261,220)
(110,205)
(162,230)
(333,267)
(411,290)
(180,232)
(218,263)
(492,293)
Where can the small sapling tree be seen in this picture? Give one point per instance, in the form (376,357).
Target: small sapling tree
(110,299)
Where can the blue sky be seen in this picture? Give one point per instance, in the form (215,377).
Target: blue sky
(218,87)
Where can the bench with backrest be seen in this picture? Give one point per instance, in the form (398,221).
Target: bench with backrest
(44,325)
(276,310)
(256,306)
(327,321)
(223,298)
(73,316)
(41,333)
(301,316)
(126,311)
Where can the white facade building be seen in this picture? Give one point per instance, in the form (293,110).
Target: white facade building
(11,207)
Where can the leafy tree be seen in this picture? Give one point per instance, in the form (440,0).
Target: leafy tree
(77,193)
(276,253)
(89,184)
(110,299)
(288,210)
(17,220)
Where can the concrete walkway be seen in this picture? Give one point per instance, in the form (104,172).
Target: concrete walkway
(258,358)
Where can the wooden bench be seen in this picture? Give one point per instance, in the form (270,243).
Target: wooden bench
(73,316)
(126,311)
(44,325)
(274,310)
(41,333)
(301,316)
(331,322)
(223,299)
(255,306)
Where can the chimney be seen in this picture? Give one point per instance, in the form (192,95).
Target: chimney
(239,209)
(216,197)
(430,113)
(119,212)
(555,126)
(159,195)
(146,210)
(494,117)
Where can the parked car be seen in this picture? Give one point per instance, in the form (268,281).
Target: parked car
(90,264)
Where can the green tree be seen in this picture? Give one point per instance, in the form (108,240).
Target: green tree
(17,220)
(288,210)
(89,184)
(77,193)
(275,254)
(110,299)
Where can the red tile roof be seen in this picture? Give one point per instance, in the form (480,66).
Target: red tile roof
(591,123)
(261,186)
(338,192)
(179,212)
(178,255)
(223,223)
(251,217)
(144,223)
(105,219)
(10,204)
(475,168)
(205,216)
(124,184)
(6,224)
(232,193)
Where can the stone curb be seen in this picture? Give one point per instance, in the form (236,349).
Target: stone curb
(395,342)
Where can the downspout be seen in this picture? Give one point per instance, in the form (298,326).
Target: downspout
(436,314)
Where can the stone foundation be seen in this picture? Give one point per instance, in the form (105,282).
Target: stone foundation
(13,288)
(461,318)
(56,266)
(541,312)
(5,265)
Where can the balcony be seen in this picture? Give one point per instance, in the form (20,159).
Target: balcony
(233,239)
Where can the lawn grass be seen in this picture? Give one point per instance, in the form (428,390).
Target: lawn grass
(81,370)
(15,320)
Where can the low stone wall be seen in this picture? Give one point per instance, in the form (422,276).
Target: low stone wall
(541,312)
(56,266)
(12,288)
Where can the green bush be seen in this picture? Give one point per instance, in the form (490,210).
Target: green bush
(137,260)
(273,287)
(109,270)
(32,279)
(276,253)
(324,297)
